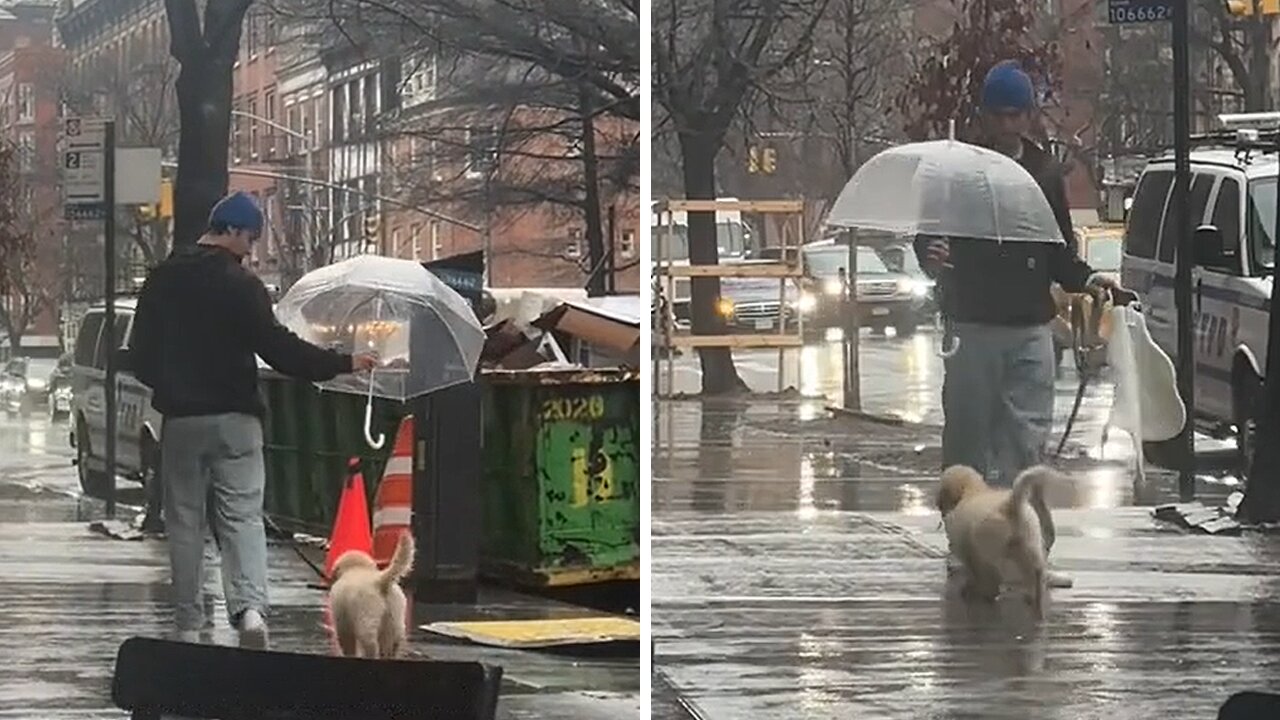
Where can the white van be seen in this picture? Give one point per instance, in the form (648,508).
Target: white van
(1233,213)
(137,423)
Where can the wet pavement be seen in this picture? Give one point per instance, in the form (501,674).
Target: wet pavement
(798,572)
(72,596)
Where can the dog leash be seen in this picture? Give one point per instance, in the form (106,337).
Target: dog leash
(1085,351)
(293,543)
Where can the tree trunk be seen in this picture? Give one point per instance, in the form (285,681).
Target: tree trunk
(1258,97)
(719,374)
(204,89)
(596,285)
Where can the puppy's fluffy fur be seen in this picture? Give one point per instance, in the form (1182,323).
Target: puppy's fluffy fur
(999,535)
(367,604)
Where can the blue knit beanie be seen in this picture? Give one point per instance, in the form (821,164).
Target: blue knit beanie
(1007,87)
(238,211)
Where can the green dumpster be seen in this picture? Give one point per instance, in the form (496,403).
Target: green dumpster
(561,482)
(310,436)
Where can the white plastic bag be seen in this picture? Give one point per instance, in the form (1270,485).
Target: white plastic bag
(1146,403)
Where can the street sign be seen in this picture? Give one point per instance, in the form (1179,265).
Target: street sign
(83,169)
(1129,12)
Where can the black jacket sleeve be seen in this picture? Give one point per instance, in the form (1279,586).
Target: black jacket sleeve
(1067,269)
(145,343)
(282,349)
(1055,191)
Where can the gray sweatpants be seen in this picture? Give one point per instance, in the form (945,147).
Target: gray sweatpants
(223,452)
(997,399)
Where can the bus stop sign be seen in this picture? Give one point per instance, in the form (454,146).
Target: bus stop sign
(1130,12)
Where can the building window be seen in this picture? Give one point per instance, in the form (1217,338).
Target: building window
(251,35)
(415,237)
(26,102)
(269,107)
(236,122)
(370,104)
(395,243)
(437,243)
(253,128)
(26,150)
(481,151)
(339,120)
(628,248)
(354,116)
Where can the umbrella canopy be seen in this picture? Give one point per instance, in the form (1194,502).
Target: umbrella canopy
(424,333)
(946,188)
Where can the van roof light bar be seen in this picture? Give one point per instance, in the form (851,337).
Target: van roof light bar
(1250,121)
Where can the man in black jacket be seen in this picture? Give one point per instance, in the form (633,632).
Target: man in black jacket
(998,394)
(201,320)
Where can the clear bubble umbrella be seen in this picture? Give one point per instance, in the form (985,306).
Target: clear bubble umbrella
(425,335)
(947,189)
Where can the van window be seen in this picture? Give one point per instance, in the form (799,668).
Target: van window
(1226,217)
(1146,213)
(1262,224)
(87,339)
(121,326)
(1198,198)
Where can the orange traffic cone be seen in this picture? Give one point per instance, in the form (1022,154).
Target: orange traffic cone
(393,502)
(351,526)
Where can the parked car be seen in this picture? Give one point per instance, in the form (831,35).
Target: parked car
(137,423)
(1232,202)
(60,392)
(886,298)
(25,384)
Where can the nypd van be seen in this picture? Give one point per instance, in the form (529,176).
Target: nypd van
(1232,201)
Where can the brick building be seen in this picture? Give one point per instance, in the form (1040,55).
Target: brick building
(257,145)
(30,94)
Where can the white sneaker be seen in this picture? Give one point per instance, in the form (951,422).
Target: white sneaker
(1059,579)
(253,630)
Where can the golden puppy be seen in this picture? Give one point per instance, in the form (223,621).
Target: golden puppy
(999,535)
(367,604)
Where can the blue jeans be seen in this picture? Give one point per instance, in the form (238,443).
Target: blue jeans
(997,399)
(223,452)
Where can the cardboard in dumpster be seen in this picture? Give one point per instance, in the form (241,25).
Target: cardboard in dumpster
(606,329)
(507,346)
(159,678)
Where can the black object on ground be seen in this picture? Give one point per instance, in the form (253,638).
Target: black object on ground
(159,677)
(1250,706)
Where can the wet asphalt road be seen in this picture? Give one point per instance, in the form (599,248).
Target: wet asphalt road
(71,596)
(798,573)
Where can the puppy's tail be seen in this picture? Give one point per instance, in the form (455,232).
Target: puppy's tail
(1028,491)
(401,563)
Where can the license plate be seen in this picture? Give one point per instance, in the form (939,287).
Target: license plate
(764,324)
(877,312)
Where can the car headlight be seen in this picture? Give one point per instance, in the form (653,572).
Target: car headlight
(807,302)
(921,288)
(833,286)
(724,306)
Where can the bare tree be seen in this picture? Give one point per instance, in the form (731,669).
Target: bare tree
(25,290)
(947,85)
(206,53)
(1242,43)
(710,58)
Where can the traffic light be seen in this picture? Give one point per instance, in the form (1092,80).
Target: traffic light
(762,160)
(1244,8)
(162,210)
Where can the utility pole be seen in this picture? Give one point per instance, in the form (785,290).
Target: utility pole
(1186,250)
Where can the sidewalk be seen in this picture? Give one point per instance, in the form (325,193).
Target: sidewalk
(71,597)
(793,578)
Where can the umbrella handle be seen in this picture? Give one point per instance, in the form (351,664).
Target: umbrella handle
(368,420)
(946,353)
